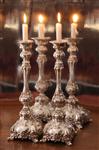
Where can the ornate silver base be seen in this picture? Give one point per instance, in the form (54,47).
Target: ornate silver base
(57,130)
(26,127)
(42,108)
(77,114)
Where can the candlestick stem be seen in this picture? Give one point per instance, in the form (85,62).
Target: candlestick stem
(58,130)
(72,86)
(59,54)
(26,127)
(41,109)
(77,113)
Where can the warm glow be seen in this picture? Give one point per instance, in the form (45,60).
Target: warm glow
(25,18)
(75,18)
(41,18)
(59,17)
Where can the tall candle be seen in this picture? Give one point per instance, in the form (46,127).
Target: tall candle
(25,29)
(59,28)
(74,25)
(41,27)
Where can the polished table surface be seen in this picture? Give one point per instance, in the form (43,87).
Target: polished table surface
(86,139)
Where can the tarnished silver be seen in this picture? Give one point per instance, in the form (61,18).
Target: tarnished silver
(41,108)
(26,127)
(78,114)
(58,129)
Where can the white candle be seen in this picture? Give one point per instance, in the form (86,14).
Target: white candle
(74,25)
(74,31)
(58,29)
(25,29)
(41,27)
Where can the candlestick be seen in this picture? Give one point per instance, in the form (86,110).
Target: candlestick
(78,114)
(58,29)
(74,25)
(26,127)
(41,108)
(41,27)
(25,29)
(58,129)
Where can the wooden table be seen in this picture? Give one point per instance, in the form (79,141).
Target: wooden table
(86,139)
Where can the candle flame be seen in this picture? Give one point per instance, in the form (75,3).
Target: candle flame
(75,18)
(59,17)
(25,18)
(41,18)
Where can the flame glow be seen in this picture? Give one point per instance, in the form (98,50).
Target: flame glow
(75,18)
(25,18)
(59,17)
(41,18)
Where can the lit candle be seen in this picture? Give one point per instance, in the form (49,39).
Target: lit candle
(25,29)
(59,28)
(74,25)
(41,27)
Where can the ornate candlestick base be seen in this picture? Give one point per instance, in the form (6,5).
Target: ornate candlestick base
(26,127)
(58,129)
(41,108)
(78,114)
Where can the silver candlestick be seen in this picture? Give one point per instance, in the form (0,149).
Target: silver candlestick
(78,114)
(26,127)
(41,108)
(58,129)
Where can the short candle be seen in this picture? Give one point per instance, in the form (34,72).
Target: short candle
(74,25)
(41,27)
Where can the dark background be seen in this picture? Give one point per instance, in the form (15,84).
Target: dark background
(11,16)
